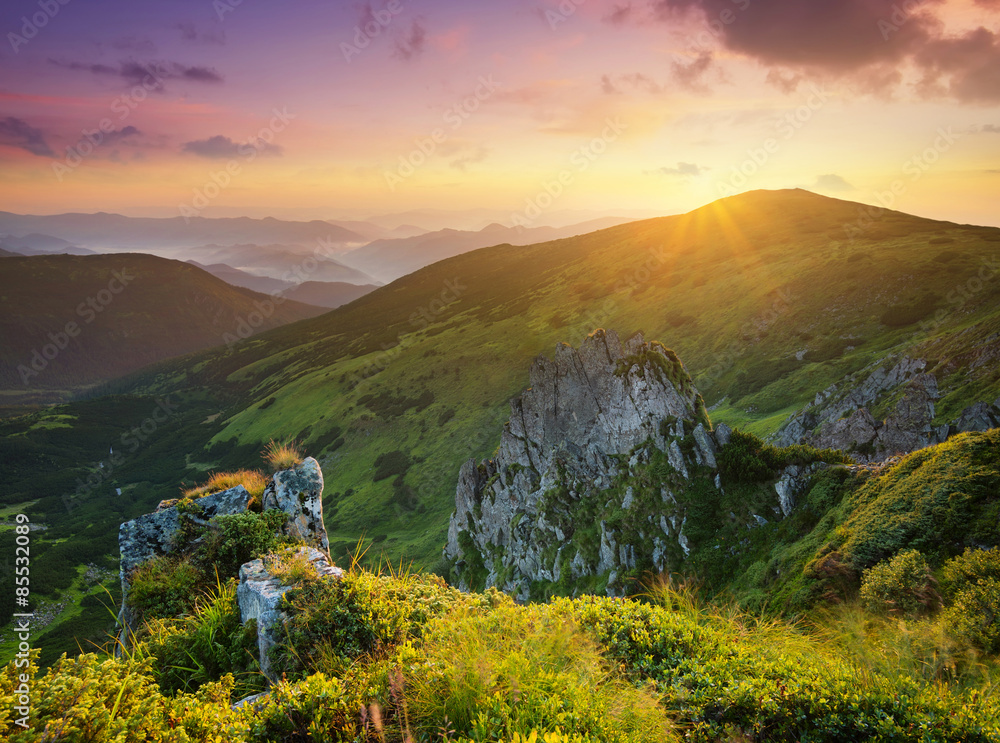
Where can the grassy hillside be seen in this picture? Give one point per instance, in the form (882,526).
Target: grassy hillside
(70,322)
(762,295)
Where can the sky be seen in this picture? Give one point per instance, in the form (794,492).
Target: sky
(345,110)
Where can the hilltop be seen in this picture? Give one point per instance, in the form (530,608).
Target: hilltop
(71,322)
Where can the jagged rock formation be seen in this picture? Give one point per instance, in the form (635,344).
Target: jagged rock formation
(262,586)
(890,412)
(296,491)
(603,459)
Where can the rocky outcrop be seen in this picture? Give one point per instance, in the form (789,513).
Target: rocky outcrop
(889,411)
(597,471)
(155,534)
(297,492)
(262,586)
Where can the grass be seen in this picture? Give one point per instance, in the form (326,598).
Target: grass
(282,456)
(253,480)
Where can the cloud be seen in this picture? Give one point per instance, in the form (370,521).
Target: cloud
(869,43)
(681,169)
(832,182)
(828,34)
(18,133)
(463,161)
(221,147)
(411,44)
(619,15)
(691,74)
(150,74)
(964,67)
(991,128)
(634,80)
(120,134)
(189,32)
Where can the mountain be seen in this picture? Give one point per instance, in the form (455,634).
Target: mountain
(770,298)
(71,322)
(288,263)
(389,259)
(114,233)
(330,294)
(371,231)
(36,244)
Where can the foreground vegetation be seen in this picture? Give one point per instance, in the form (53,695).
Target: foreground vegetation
(393,657)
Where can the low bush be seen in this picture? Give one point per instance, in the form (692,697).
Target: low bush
(164,587)
(902,586)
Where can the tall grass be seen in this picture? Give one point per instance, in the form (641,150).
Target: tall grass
(282,456)
(253,480)
(524,670)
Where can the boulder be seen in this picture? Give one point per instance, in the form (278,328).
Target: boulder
(260,592)
(299,493)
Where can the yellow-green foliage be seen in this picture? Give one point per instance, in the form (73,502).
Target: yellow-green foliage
(943,495)
(903,585)
(90,699)
(972,583)
(519,670)
(282,456)
(204,646)
(253,480)
(409,659)
(163,587)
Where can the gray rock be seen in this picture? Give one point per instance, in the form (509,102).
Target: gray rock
(299,493)
(260,593)
(705,445)
(723,434)
(978,417)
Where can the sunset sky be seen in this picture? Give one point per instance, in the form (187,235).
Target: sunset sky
(327,110)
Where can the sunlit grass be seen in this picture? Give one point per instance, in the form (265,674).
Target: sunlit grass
(253,480)
(282,456)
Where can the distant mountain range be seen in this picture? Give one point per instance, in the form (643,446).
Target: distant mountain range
(328,294)
(70,322)
(387,260)
(103,232)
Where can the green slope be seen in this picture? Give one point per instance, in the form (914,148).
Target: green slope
(740,289)
(70,322)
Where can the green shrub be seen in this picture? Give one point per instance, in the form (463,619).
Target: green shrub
(974,615)
(972,567)
(164,587)
(391,464)
(205,646)
(317,709)
(903,586)
(233,539)
(92,699)
(749,459)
